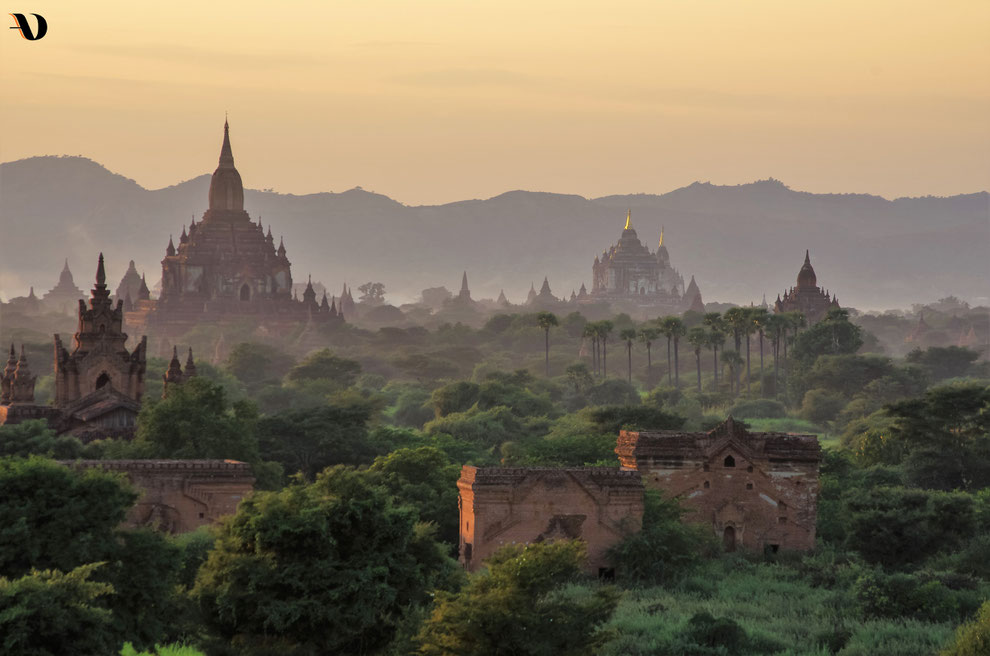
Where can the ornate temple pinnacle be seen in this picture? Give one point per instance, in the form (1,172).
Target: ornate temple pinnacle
(628,219)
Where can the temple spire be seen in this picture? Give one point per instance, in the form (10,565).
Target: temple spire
(226,154)
(661,236)
(101,274)
(628,220)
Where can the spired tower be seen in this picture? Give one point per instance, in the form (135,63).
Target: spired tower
(225,259)
(63,296)
(631,275)
(99,365)
(807,297)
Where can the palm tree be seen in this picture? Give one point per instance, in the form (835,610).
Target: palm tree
(628,335)
(666,328)
(546,321)
(698,337)
(591,333)
(678,330)
(776,328)
(734,362)
(648,334)
(716,337)
(748,331)
(759,323)
(604,330)
(737,319)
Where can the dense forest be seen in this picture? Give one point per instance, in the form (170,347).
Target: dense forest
(356,436)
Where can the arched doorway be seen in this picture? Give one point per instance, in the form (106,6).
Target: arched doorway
(245,293)
(102,380)
(729,538)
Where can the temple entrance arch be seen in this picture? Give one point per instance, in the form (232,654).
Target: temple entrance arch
(245,293)
(729,538)
(102,380)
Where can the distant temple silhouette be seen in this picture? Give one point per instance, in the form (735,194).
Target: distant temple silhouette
(227,267)
(629,274)
(807,298)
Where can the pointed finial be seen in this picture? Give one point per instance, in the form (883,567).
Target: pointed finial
(661,235)
(101,275)
(807,256)
(628,219)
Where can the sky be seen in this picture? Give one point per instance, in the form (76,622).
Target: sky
(433,101)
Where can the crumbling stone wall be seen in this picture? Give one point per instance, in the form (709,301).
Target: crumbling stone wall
(756,490)
(501,506)
(178,496)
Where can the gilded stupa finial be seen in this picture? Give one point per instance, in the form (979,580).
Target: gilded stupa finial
(628,219)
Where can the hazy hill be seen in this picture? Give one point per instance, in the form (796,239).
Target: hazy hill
(738,241)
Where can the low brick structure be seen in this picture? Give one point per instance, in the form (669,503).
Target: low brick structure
(500,505)
(756,490)
(178,496)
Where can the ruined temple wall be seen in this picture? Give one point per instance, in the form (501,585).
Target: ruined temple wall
(178,496)
(762,501)
(500,506)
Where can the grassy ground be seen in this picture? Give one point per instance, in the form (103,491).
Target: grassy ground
(779,612)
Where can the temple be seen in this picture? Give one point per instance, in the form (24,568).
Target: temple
(758,491)
(632,278)
(64,296)
(807,298)
(226,266)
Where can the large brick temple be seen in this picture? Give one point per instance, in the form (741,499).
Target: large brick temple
(754,491)
(632,277)
(226,267)
(807,298)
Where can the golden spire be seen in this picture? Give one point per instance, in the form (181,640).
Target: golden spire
(661,235)
(628,219)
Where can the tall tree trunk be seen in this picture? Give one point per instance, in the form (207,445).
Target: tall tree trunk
(733,371)
(715,370)
(649,364)
(677,377)
(763,391)
(547,349)
(668,361)
(629,351)
(604,359)
(697,357)
(748,375)
(776,351)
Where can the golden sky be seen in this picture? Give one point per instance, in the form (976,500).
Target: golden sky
(431,101)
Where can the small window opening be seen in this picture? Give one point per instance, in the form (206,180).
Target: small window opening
(749,486)
(781,520)
(729,461)
(103,380)
(750,469)
(707,485)
(245,293)
(770,549)
(606,574)
(202,515)
(706,467)
(467,551)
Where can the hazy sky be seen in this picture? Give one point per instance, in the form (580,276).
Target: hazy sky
(431,101)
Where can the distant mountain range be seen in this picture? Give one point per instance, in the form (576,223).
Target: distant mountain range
(738,241)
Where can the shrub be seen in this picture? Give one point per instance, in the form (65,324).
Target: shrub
(758,409)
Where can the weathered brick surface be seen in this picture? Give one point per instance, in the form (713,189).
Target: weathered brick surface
(755,490)
(178,496)
(500,506)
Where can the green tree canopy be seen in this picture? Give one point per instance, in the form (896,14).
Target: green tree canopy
(196,420)
(519,605)
(330,567)
(325,365)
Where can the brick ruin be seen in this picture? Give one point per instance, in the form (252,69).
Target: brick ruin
(178,496)
(500,505)
(757,491)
